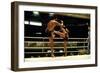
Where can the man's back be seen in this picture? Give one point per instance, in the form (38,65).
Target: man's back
(51,25)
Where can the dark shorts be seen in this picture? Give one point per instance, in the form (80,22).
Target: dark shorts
(49,33)
(66,37)
(57,28)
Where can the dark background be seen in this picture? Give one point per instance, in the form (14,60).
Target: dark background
(78,27)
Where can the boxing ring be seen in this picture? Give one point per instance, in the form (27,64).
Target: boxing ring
(38,48)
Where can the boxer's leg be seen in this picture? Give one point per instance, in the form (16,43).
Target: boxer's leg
(52,43)
(65,47)
(63,35)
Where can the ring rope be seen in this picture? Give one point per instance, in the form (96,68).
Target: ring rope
(54,38)
(54,47)
(54,42)
(47,52)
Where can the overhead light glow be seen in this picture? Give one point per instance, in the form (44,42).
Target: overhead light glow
(33,23)
(26,22)
(51,14)
(36,23)
(36,13)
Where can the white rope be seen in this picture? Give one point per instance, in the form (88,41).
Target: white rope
(48,52)
(54,38)
(54,47)
(54,42)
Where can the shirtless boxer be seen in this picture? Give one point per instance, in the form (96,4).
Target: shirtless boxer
(56,28)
